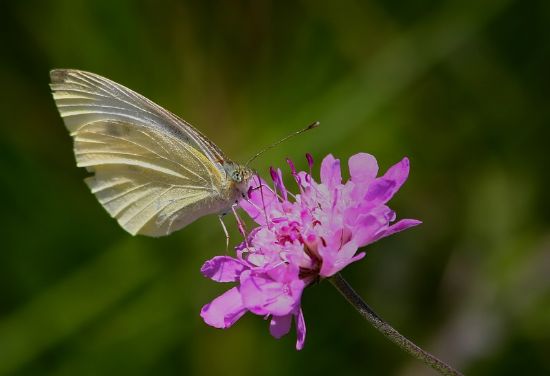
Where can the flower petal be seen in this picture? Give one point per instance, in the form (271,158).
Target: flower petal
(260,201)
(382,189)
(300,330)
(362,168)
(280,325)
(331,175)
(262,295)
(223,269)
(398,227)
(399,172)
(225,310)
(366,227)
(336,260)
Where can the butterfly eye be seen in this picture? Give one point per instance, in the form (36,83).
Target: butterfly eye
(237,176)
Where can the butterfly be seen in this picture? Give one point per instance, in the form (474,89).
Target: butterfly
(152,171)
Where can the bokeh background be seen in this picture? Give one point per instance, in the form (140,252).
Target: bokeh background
(460,87)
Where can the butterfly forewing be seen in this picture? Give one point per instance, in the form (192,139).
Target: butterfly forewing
(85,96)
(153,172)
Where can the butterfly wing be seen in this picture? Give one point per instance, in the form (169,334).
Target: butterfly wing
(153,172)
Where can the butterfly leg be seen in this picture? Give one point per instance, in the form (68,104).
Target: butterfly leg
(220,217)
(240,225)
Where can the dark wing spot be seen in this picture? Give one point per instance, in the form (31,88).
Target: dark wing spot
(58,75)
(117,129)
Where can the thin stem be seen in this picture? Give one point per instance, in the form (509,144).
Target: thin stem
(387,330)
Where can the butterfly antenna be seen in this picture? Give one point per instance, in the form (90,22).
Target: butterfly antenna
(311,126)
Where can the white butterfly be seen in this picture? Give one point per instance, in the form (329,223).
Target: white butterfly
(153,172)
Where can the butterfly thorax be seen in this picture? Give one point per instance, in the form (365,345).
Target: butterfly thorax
(238,177)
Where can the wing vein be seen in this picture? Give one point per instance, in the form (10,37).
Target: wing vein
(153,152)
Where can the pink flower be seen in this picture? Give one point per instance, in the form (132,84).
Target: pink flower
(267,289)
(303,238)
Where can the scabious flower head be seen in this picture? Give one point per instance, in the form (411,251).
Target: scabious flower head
(303,238)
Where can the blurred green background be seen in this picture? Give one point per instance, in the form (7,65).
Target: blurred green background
(461,87)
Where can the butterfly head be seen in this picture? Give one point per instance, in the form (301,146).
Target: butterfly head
(239,175)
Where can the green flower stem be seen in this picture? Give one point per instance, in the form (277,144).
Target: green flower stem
(386,329)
